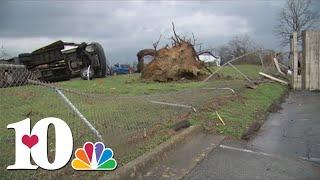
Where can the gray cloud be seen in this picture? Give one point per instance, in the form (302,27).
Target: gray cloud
(124,27)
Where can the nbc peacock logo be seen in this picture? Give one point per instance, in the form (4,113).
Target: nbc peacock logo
(94,157)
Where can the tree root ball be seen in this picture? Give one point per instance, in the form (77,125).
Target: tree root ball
(173,63)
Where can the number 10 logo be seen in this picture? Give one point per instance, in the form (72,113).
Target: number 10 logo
(34,143)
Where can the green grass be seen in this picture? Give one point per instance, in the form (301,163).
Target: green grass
(252,71)
(118,116)
(239,114)
(132,84)
(125,85)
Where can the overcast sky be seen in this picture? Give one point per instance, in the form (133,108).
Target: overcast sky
(123,28)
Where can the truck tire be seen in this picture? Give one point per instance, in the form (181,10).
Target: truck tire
(83,73)
(102,60)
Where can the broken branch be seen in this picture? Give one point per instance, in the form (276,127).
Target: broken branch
(273,78)
(220,119)
(276,63)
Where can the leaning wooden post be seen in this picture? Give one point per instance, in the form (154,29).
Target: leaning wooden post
(295,81)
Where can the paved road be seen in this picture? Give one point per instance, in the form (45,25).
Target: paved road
(181,159)
(295,130)
(286,147)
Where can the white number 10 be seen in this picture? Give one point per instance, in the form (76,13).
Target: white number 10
(35,143)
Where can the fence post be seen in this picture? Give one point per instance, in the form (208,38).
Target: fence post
(296,78)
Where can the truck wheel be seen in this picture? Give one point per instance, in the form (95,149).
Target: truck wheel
(102,60)
(84,73)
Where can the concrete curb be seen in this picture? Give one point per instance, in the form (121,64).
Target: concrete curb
(129,170)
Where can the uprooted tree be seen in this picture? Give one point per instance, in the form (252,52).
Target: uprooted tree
(172,63)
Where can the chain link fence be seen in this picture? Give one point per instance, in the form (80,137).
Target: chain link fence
(123,123)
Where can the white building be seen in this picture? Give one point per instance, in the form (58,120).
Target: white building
(207,58)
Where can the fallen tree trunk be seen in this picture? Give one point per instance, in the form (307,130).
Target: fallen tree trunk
(141,54)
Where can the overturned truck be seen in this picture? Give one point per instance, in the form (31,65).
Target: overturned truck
(61,61)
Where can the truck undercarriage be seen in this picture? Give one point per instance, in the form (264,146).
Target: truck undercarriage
(61,61)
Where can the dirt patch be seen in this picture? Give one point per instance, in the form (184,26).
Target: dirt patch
(181,125)
(275,107)
(100,82)
(253,129)
(216,76)
(142,135)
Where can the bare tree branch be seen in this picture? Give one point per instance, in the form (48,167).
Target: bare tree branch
(296,16)
(177,38)
(194,39)
(156,43)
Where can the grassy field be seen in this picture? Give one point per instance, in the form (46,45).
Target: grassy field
(121,110)
(132,85)
(125,85)
(252,71)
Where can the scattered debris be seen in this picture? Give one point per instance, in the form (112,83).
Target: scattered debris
(251,85)
(144,132)
(221,120)
(261,80)
(273,78)
(13,75)
(276,63)
(172,104)
(261,61)
(226,88)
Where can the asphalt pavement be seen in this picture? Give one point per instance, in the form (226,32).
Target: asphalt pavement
(286,147)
